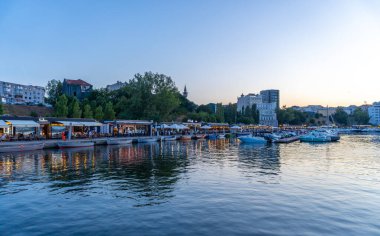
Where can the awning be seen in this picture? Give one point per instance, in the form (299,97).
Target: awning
(91,123)
(24,123)
(3,124)
(72,123)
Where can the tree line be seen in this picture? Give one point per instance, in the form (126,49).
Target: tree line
(153,96)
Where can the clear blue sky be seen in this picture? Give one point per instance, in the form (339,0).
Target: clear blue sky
(315,52)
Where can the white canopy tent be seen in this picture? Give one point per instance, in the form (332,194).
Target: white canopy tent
(3,124)
(24,123)
(205,127)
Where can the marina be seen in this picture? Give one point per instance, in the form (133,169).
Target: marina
(172,187)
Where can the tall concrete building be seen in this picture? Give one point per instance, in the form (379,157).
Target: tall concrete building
(12,93)
(271,95)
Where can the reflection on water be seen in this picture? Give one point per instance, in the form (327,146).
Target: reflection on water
(194,187)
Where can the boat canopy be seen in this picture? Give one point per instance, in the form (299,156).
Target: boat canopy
(92,123)
(3,124)
(68,123)
(24,123)
(80,124)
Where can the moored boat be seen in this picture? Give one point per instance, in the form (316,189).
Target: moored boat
(147,140)
(22,147)
(185,137)
(314,138)
(169,138)
(252,139)
(118,141)
(199,136)
(75,144)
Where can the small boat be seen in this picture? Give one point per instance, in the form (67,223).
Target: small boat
(75,144)
(221,136)
(287,139)
(147,140)
(252,139)
(169,138)
(283,137)
(118,141)
(316,137)
(185,137)
(199,136)
(22,147)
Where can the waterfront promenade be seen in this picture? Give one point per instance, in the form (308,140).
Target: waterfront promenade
(53,143)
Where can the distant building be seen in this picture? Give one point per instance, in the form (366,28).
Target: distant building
(115,86)
(266,108)
(213,107)
(271,95)
(11,93)
(76,88)
(245,101)
(185,93)
(374,113)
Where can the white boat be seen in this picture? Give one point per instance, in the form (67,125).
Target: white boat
(75,144)
(21,147)
(316,136)
(118,141)
(169,138)
(147,140)
(252,139)
(221,136)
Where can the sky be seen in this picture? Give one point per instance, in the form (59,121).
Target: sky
(315,52)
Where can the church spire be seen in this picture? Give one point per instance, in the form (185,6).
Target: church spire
(185,92)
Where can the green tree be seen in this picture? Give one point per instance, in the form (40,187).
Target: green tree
(75,111)
(1,108)
(99,113)
(33,114)
(151,96)
(340,116)
(62,109)
(53,90)
(219,112)
(360,117)
(87,113)
(109,113)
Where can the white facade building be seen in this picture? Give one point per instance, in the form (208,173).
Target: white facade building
(267,110)
(115,86)
(248,101)
(374,113)
(11,93)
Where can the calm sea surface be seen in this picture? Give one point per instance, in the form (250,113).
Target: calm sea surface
(195,188)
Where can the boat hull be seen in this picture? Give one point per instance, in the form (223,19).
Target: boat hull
(315,139)
(169,138)
(287,140)
(147,140)
(21,147)
(68,144)
(252,139)
(118,142)
(185,137)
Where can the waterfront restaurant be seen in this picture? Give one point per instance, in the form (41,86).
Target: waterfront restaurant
(218,127)
(4,127)
(19,127)
(80,127)
(127,127)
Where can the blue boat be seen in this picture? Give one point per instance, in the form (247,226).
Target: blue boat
(252,139)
